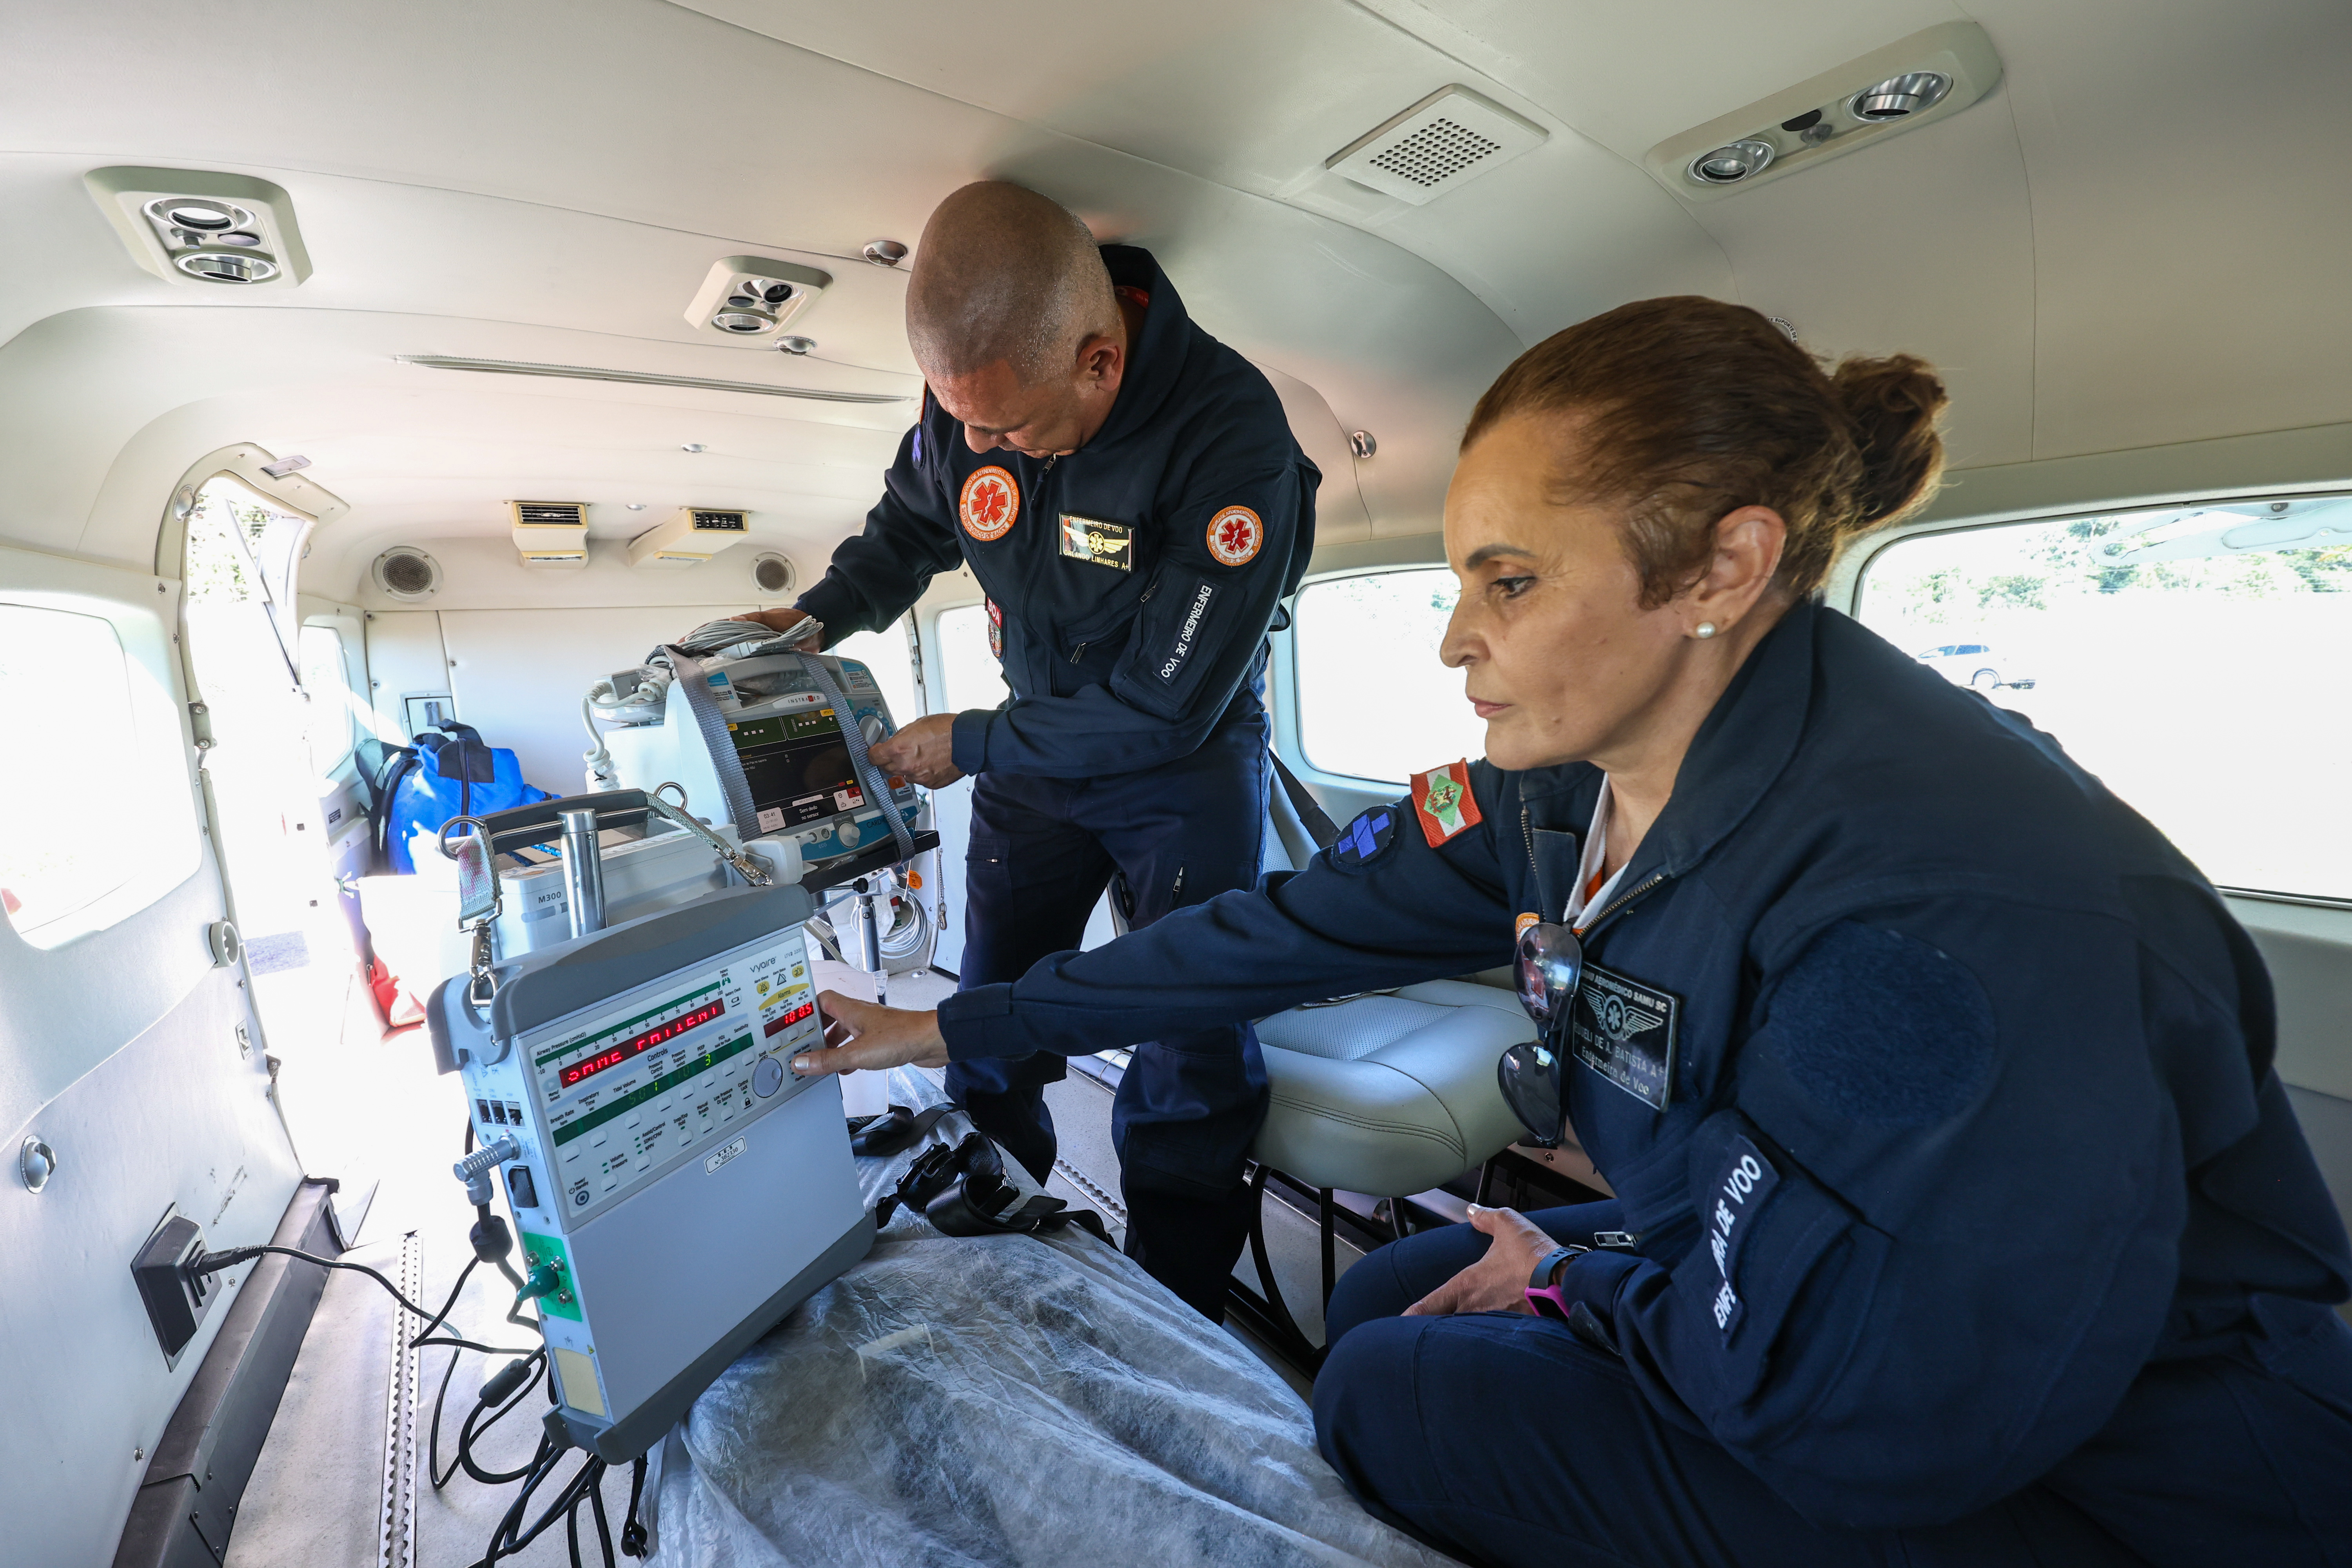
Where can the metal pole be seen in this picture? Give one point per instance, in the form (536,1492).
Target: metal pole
(583,872)
(869,941)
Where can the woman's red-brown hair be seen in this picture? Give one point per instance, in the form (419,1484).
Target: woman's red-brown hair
(1683,409)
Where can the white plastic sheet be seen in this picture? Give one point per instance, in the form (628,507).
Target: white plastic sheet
(1000,1400)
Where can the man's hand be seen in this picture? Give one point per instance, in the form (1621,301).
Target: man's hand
(1498,1281)
(785,620)
(924,752)
(864,1037)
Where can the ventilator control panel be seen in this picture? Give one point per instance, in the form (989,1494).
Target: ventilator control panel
(627,1089)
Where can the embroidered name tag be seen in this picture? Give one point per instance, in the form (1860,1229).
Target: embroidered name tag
(1624,1031)
(1104,543)
(1746,1180)
(1190,628)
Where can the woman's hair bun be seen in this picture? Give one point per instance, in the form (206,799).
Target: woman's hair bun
(1892,404)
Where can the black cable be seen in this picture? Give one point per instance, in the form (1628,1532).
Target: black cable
(214,1262)
(432,1446)
(604,1528)
(443,1315)
(469,1344)
(470,1433)
(632,1534)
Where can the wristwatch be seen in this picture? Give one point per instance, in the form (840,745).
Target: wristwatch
(1543,1294)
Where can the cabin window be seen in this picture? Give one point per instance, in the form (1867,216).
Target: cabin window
(328,724)
(70,804)
(2191,656)
(970,675)
(1373,701)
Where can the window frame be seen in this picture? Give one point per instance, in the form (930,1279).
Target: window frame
(1850,580)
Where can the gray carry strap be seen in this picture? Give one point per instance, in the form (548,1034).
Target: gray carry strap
(715,737)
(1311,815)
(869,777)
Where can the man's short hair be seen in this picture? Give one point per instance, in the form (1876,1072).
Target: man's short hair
(1004,273)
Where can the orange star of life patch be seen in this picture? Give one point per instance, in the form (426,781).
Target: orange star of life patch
(990,503)
(1235,535)
(1443,803)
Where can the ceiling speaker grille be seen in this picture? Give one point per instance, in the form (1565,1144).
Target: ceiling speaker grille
(1445,141)
(407,572)
(1437,151)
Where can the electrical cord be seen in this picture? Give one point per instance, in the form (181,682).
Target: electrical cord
(229,1258)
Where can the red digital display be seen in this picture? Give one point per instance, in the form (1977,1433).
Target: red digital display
(614,1056)
(783,1021)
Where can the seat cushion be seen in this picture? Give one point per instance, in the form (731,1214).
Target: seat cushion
(1390,1094)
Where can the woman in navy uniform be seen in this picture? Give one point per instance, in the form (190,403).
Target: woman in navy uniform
(1960,1217)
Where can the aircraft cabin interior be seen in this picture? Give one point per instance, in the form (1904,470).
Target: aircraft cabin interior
(420,870)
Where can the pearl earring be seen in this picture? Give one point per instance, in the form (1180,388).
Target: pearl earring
(1704,630)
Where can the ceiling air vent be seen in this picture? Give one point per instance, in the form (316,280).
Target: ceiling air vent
(407,574)
(689,537)
(774,575)
(552,535)
(208,230)
(1440,144)
(749,298)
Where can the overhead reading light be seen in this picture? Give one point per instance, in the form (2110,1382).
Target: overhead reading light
(293,462)
(751,297)
(1729,165)
(1901,96)
(1936,72)
(642,378)
(189,226)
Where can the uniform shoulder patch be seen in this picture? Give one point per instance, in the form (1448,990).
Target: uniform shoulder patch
(1444,804)
(1366,838)
(1235,535)
(989,503)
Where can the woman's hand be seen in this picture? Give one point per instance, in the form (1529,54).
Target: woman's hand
(864,1037)
(1498,1281)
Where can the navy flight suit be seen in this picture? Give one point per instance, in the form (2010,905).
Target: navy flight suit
(1974,1226)
(1130,589)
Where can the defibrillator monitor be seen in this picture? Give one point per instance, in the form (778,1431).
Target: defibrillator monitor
(786,734)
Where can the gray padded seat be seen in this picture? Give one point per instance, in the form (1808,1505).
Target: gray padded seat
(1391,1094)
(1385,1095)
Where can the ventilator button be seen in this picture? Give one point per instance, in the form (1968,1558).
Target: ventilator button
(768,1077)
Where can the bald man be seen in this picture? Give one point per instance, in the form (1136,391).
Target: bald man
(1128,493)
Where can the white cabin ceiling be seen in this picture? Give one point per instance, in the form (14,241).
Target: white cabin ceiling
(2133,239)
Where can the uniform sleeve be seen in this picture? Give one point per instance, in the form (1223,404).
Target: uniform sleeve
(1937,1231)
(878,574)
(1404,912)
(1224,566)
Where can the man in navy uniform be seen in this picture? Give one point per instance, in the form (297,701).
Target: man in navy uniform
(1127,491)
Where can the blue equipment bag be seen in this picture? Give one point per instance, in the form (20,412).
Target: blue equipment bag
(452,773)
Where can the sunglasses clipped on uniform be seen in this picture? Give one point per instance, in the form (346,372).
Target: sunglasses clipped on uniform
(1548,967)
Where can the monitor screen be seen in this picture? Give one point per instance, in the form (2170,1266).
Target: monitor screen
(797,766)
